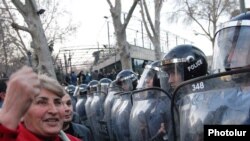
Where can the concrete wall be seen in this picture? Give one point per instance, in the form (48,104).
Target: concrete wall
(136,52)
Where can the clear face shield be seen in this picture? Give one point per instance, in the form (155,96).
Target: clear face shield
(82,91)
(93,89)
(128,83)
(174,74)
(232,46)
(70,90)
(147,77)
(104,87)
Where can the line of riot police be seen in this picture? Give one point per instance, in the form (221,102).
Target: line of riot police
(176,96)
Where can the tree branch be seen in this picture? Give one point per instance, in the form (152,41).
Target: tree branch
(148,17)
(192,17)
(18,34)
(19,27)
(125,24)
(145,23)
(51,18)
(20,7)
(21,49)
(110,4)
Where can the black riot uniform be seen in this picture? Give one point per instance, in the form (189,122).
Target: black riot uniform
(96,107)
(150,114)
(120,113)
(80,104)
(221,98)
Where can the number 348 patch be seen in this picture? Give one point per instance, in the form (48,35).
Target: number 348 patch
(198,86)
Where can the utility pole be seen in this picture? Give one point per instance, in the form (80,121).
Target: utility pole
(65,64)
(69,60)
(61,70)
(142,34)
(108,32)
(242,6)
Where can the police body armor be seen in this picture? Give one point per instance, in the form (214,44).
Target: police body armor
(80,104)
(148,116)
(114,111)
(108,104)
(151,108)
(97,108)
(122,117)
(92,89)
(221,98)
(127,80)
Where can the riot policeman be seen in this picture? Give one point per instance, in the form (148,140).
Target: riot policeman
(92,88)
(70,89)
(226,100)
(96,107)
(231,50)
(182,63)
(149,112)
(120,113)
(80,104)
(108,104)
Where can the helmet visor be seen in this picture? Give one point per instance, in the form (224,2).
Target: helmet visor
(146,80)
(104,87)
(232,48)
(175,74)
(93,89)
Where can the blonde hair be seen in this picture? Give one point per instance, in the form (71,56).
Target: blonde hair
(51,84)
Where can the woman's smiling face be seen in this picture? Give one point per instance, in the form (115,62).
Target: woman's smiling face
(45,115)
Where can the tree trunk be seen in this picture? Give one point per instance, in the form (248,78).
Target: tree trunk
(120,31)
(35,28)
(154,35)
(124,52)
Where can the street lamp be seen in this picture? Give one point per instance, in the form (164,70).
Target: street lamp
(108,32)
(242,6)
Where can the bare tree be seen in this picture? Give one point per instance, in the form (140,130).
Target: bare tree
(8,43)
(154,34)
(205,13)
(120,31)
(56,31)
(3,45)
(44,29)
(31,14)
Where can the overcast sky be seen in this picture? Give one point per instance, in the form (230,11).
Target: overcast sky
(90,14)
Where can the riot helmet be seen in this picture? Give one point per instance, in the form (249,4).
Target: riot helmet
(104,84)
(232,44)
(92,86)
(114,87)
(182,63)
(127,79)
(149,77)
(83,88)
(70,89)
